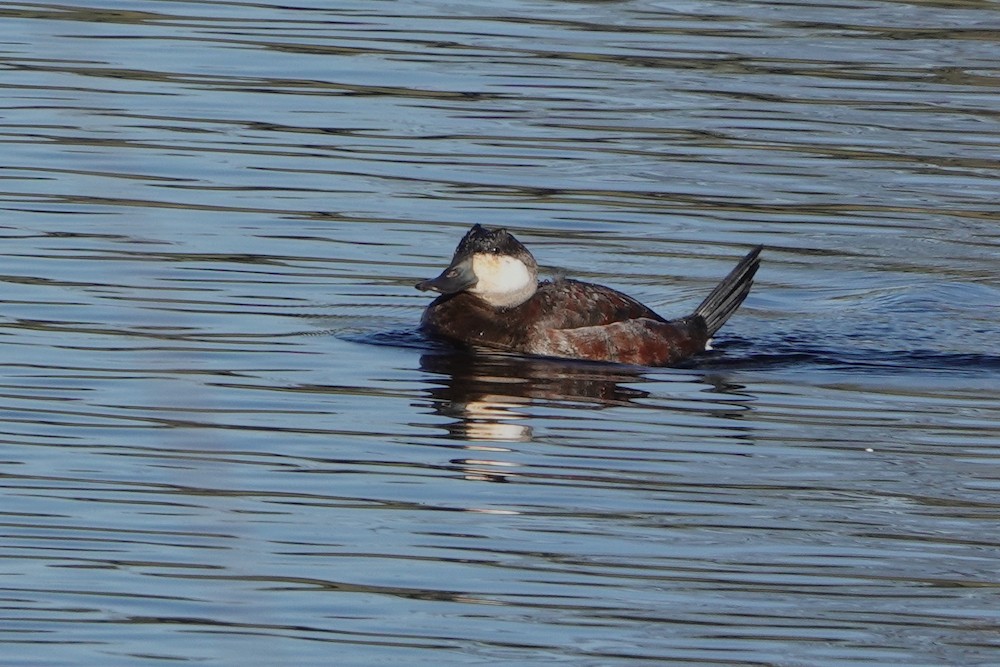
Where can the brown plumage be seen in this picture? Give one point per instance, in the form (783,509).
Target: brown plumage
(566,318)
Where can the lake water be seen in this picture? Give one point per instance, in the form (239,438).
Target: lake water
(224,443)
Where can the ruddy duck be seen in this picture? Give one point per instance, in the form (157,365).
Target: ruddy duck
(490,296)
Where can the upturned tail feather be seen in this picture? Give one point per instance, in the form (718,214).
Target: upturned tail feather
(729,294)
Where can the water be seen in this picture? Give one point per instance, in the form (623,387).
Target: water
(222,440)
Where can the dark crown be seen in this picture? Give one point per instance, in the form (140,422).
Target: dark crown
(481,239)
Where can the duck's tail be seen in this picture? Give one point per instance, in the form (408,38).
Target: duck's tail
(729,294)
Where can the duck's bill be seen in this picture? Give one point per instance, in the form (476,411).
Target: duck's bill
(457,277)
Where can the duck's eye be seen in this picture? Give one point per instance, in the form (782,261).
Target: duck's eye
(452,273)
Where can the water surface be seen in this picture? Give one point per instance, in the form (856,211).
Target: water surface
(222,439)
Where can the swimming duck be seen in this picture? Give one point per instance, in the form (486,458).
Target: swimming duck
(491,297)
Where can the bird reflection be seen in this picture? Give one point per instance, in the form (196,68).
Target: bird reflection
(492,398)
(486,396)
(485,393)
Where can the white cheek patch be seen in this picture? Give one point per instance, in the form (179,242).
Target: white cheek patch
(500,275)
(502,282)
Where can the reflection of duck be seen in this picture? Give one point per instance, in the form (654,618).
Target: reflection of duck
(526,380)
(490,296)
(486,393)
(493,398)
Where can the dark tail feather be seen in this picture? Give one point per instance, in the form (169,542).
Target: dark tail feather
(729,294)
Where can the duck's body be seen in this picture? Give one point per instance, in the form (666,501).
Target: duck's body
(568,319)
(491,297)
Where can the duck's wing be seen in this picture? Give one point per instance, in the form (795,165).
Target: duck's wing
(571,304)
(587,321)
(641,341)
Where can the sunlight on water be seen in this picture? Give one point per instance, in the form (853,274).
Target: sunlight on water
(224,440)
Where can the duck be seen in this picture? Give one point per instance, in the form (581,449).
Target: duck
(491,297)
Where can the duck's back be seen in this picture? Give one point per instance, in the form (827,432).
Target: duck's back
(572,304)
(602,324)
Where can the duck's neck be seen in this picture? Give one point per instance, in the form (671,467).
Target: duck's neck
(510,299)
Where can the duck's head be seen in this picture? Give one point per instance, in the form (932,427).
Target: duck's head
(491,264)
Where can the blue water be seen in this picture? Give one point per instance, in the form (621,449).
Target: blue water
(224,442)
